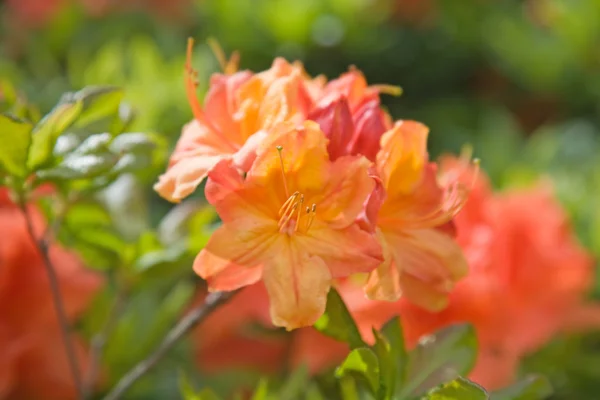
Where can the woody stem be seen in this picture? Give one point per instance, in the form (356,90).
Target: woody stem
(185,324)
(42,247)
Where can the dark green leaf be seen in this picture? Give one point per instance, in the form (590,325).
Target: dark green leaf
(392,331)
(458,389)
(295,384)
(48,130)
(534,387)
(361,363)
(15,138)
(439,358)
(337,322)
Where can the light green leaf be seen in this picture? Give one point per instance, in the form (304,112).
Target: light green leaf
(185,388)
(337,322)
(534,387)
(94,144)
(15,138)
(439,358)
(47,131)
(99,102)
(132,142)
(77,166)
(261,391)
(458,389)
(361,363)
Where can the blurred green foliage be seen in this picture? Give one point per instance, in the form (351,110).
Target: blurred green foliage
(518,79)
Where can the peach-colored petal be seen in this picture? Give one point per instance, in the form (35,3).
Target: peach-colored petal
(231,249)
(429,262)
(345,251)
(384,282)
(297,284)
(346,191)
(183,178)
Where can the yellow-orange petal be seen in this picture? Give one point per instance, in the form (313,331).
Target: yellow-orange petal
(402,157)
(232,248)
(297,284)
(384,282)
(347,190)
(345,251)
(303,157)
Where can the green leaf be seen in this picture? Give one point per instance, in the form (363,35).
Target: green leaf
(533,387)
(337,322)
(295,384)
(458,389)
(15,138)
(132,142)
(361,363)
(94,144)
(48,130)
(99,102)
(439,358)
(262,390)
(80,166)
(398,357)
(185,388)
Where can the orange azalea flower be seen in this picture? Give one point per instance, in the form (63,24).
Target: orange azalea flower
(290,222)
(350,115)
(33,362)
(239,108)
(422,261)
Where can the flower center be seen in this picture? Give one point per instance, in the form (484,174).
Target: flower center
(294,216)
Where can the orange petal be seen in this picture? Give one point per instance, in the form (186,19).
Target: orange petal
(347,190)
(231,249)
(345,251)
(297,284)
(384,282)
(429,262)
(402,157)
(233,199)
(335,120)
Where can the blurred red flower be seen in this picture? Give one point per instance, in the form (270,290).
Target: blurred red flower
(33,362)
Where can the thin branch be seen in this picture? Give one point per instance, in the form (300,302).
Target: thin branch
(99,341)
(189,321)
(42,247)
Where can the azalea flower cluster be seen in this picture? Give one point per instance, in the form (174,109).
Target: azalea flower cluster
(527,281)
(314,182)
(33,363)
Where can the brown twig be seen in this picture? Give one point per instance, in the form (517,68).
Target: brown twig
(99,341)
(184,325)
(43,249)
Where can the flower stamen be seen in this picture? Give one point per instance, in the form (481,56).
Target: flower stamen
(279,150)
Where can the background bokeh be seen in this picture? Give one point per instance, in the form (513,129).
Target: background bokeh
(517,79)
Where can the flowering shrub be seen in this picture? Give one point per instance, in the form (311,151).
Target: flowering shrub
(411,277)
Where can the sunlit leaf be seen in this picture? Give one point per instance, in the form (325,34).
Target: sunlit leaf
(337,322)
(458,389)
(15,138)
(76,166)
(363,364)
(98,102)
(46,132)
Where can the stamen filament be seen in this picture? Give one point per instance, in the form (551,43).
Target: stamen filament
(279,150)
(298,216)
(288,203)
